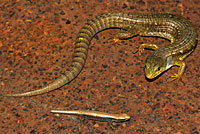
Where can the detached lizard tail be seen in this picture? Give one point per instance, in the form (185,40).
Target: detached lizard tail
(84,37)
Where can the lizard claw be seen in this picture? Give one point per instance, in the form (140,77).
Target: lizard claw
(140,50)
(175,76)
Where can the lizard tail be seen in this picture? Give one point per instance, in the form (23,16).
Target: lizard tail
(84,37)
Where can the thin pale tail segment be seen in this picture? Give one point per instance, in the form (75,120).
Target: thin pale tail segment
(97,114)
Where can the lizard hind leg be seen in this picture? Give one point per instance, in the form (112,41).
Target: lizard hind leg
(141,48)
(116,39)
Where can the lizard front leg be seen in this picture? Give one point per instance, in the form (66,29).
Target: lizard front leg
(181,69)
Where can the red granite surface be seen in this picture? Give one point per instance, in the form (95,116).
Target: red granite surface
(36,45)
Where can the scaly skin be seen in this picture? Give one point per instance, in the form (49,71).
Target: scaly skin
(179,31)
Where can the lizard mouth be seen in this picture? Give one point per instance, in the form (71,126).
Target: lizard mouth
(149,75)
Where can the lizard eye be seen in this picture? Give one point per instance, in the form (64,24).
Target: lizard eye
(158,69)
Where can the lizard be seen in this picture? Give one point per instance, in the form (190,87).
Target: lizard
(181,33)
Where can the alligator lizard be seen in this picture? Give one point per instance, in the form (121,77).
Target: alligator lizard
(178,30)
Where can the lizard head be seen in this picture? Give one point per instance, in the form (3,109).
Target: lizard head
(155,65)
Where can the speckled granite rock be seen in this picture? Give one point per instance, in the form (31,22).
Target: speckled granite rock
(36,45)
